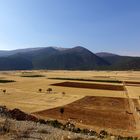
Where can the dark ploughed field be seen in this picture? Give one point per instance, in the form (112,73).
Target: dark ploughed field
(101,112)
(90,86)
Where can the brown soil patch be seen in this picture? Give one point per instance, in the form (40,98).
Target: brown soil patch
(101,112)
(90,86)
(132,83)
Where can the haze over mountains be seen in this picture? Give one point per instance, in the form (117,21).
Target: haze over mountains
(55,58)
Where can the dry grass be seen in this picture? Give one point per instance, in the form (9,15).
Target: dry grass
(24,94)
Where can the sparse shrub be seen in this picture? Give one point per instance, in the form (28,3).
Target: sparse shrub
(6,126)
(93,133)
(85,131)
(56,124)
(63,93)
(69,126)
(40,90)
(41,121)
(120,138)
(61,110)
(77,130)
(24,134)
(49,90)
(78,138)
(43,131)
(4,91)
(136,138)
(103,134)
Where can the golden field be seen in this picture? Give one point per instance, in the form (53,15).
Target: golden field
(24,94)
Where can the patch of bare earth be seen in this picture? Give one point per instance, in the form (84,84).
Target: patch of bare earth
(90,86)
(96,112)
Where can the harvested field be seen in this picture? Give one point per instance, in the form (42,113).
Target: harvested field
(23,94)
(101,112)
(90,86)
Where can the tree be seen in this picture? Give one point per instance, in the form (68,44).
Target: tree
(61,110)
(4,91)
(40,90)
(63,93)
(49,90)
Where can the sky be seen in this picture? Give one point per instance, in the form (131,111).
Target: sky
(98,25)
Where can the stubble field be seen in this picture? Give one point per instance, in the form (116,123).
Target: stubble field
(24,94)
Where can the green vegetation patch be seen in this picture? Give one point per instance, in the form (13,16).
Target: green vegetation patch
(6,81)
(32,76)
(88,80)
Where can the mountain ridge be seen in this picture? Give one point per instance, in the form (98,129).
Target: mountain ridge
(76,58)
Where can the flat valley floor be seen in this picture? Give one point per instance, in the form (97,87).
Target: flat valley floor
(95,100)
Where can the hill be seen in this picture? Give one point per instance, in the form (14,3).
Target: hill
(105,54)
(52,58)
(77,58)
(74,58)
(12,52)
(121,62)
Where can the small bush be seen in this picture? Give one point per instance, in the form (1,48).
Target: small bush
(43,131)
(40,90)
(61,110)
(49,90)
(41,121)
(6,127)
(103,134)
(4,91)
(55,123)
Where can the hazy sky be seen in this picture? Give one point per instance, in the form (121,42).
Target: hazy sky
(99,25)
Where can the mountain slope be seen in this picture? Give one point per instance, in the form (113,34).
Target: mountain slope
(77,58)
(15,63)
(53,58)
(74,58)
(13,52)
(121,62)
(105,54)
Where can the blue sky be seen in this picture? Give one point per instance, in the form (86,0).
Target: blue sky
(99,25)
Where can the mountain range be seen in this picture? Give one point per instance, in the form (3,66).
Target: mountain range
(55,58)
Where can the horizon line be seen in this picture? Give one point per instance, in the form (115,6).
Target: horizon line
(131,55)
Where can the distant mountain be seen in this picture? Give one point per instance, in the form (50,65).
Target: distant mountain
(12,52)
(121,62)
(60,48)
(53,58)
(105,54)
(15,63)
(74,58)
(77,58)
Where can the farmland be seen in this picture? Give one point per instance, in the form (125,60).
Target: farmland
(96,112)
(87,97)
